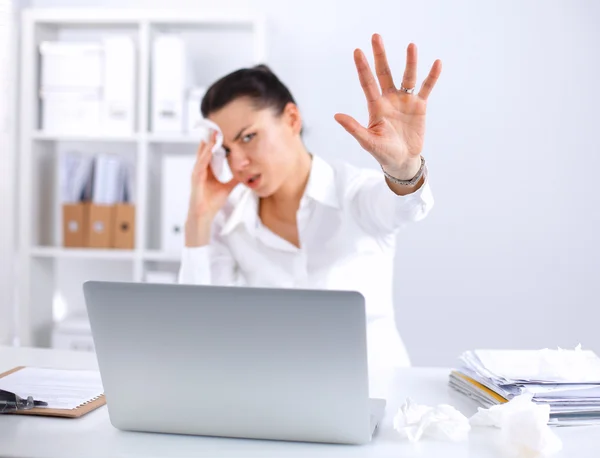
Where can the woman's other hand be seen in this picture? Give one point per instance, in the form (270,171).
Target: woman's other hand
(207,197)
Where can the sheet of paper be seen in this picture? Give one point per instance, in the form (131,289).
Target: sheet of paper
(61,389)
(75,176)
(569,366)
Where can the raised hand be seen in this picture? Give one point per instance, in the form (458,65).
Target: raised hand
(396,130)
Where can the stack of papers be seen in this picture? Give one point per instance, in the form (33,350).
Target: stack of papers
(567,380)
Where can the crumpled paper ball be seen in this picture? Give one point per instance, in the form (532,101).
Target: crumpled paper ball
(443,422)
(524,426)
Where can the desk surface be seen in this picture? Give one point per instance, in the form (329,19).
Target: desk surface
(94,436)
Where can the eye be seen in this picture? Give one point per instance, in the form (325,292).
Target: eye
(227,151)
(246,138)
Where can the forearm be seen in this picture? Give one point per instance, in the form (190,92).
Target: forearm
(197,232)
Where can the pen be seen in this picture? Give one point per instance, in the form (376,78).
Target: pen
(10,402)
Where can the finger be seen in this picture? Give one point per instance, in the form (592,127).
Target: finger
(365,76)
(201,164)
(382,68)
(210,143)
(354,128)
(409,79)
(429,83)
(212,139)
(203,156)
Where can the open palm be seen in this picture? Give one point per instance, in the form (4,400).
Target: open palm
(396,130)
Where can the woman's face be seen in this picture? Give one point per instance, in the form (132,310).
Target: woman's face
(260,146)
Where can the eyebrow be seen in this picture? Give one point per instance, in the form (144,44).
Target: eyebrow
(237,137)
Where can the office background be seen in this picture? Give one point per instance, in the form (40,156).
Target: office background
(509,257)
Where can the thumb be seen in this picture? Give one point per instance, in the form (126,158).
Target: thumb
(353,127)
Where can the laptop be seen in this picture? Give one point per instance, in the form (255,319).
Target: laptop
(279,364)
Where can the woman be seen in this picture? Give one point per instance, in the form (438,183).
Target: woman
(296,220)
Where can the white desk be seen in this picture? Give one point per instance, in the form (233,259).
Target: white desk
(94,436)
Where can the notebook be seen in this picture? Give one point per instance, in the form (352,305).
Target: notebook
(69,393)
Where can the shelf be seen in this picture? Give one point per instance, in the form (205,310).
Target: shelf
(117,16)
(81,253)
(44,136)
(46,285)
(161,256)
(150,137)
(173,138)
(101,253)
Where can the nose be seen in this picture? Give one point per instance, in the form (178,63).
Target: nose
(238,160)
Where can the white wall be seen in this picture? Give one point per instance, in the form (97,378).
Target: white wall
(510,255)
(7,169)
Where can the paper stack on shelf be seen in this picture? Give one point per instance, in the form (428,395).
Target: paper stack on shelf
(566,380)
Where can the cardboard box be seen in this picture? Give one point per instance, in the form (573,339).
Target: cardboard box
(68,112)
(75,225)
(101,226)
(71,65)
(124,227)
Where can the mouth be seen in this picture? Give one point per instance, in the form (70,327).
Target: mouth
(253,181)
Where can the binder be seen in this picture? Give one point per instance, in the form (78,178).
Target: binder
(119,85)
(75,220)
(124,227)
(108,179)
(175,198)
(87,407)
(169,76)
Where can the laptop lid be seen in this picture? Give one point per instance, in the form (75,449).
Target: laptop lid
(232,361)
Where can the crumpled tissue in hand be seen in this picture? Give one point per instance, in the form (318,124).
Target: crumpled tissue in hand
(523,424)
(443,422)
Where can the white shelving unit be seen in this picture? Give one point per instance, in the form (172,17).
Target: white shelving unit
(50,276)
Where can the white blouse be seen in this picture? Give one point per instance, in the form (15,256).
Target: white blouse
(347,222)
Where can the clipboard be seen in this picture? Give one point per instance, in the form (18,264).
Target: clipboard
(77,412)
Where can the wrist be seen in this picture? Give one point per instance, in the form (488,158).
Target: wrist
(197,232)
(406,171)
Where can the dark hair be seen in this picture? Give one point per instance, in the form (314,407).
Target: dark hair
(257,83)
